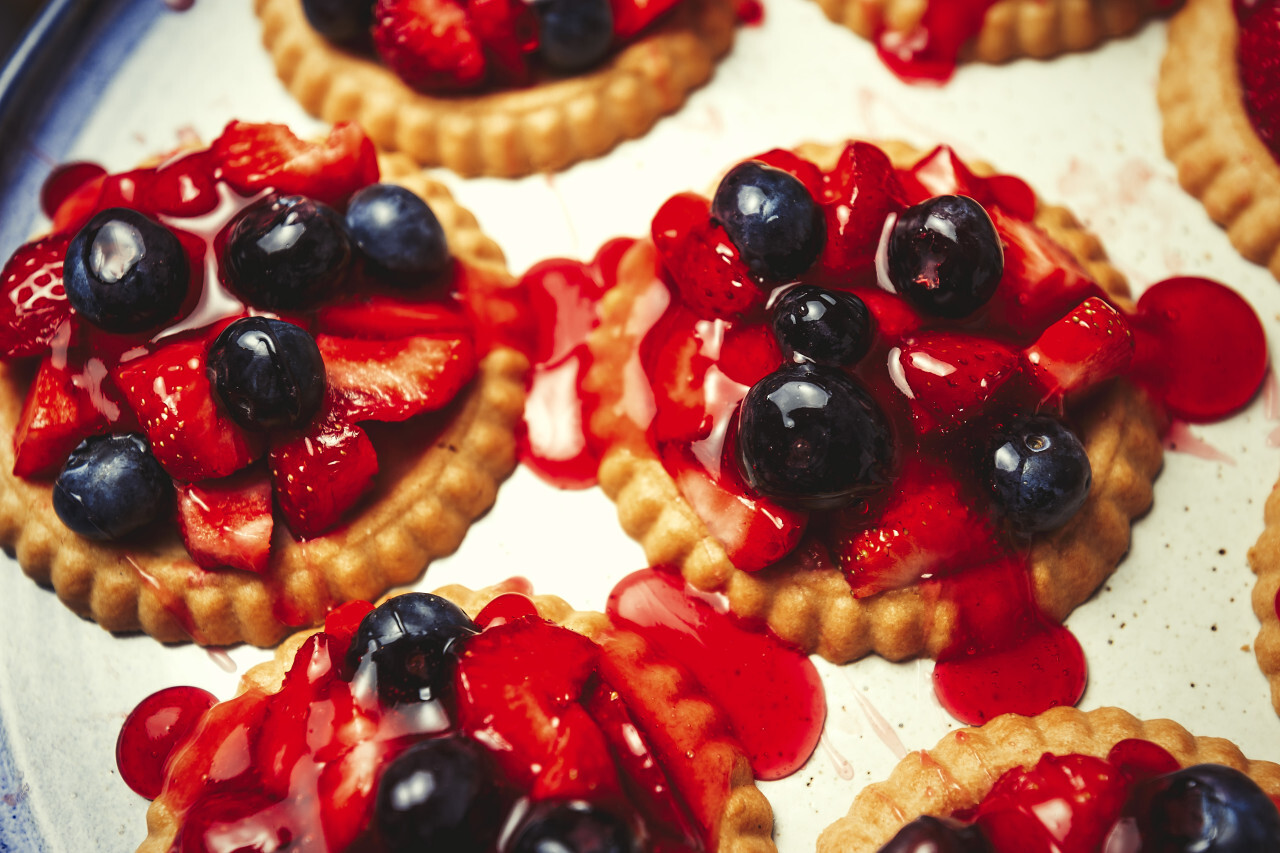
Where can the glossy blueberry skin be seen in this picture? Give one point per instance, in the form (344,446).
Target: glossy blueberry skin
(771,218)
(286,253)
(573,827)
(126,273)
(829,327)
(1208,808)
(927,834)
(409,640)
(573,34)
(1040,473)
(340,21)
(398,234)
(945,256)
(267,373)
(811,438)
(438,795)
(111,485)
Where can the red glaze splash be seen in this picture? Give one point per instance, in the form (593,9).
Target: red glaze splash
(152,731)
(772,693)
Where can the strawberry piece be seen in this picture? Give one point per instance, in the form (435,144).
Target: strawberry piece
(380,317)
(429,44)
(1088,346)
(895,318)
(320,473)
(170,392)
(950,376)
(928,527)
(798,167)
(941,172)
(702,261)
(58,413)
(35,303)
(580,766)
(862,190)
(632,16)
(255,157)
(508,29)
(347,789)
(1259,63)
(395,380)
(227,523)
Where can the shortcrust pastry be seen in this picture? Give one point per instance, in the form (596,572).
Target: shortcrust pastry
(1264,557)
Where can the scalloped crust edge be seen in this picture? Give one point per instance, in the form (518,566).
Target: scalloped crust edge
(1264,558)
(964,765)
(746,824)
(543,128)
(152,585)
(1011,28)
(1208,135)
(811,607)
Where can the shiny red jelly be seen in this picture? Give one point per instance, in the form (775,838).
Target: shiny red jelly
(1259,68)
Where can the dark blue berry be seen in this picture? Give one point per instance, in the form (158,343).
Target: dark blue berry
(810,437)
(945,256)
(111,485)
(126,273)
(828,327)
(408,639)
(1208,808)
(286,253)
(1040,473)
(771,218)
(267,373)
(437,796)
(573,34)
(397,233)
(340,21)
(573,827)
(927,834)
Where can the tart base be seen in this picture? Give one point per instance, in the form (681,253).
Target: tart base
(1264,557)
(961,769)
(424,499)
(545,127)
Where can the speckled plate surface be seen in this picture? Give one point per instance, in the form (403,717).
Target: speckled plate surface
(1170,635)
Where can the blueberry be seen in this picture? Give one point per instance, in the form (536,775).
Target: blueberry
(287,252)
(437,796)
(267,373)
(573,34)
(828,327)
(771,218)
(1208,808)
(945,256)
(811,438)
(340,21)
(125,272)
(111,485)
(1040,473)
(572,826)
(397,233)
(408,640)
(928,834)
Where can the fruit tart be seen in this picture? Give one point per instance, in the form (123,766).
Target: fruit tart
(883,402)
(1068,782)
(249,383)
(496,87)
(1220,96)
(1264,557)
(922,40)
(411,727)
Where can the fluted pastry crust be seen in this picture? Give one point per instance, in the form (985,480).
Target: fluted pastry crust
(1264,557)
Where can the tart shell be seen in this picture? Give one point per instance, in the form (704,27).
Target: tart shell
(960,770)
(1264,557)
(812,607)
(746,823)
(542,128)
(426,495)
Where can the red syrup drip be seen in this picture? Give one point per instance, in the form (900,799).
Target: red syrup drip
(63,181)
(928,53)
(771,693)
(152,730)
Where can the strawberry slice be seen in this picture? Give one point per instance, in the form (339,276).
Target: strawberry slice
(702,261)
(862,190)
(379,317)
(320,473)
(227,523)
(950,376)
(58,413)
(35,303)
(395,380)
(580,765)
(429,44)
(255,157)
(632,16)
(1088,346)
(798,167)
(1259,63)
(941,172)
(508,29)
(170,392)
(347,788)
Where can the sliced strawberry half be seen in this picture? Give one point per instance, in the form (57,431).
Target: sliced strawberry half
(1088,346)
(34,303)
(255,157)
(395,380)
(170,392)
(702,261)
(429,44)
(862,191)
(57,415)
(227,523)
(508,29)
(950,376)
(321,473)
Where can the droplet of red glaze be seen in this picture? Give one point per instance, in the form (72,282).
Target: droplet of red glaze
(63,181)
(770,692)
(153,730)
(1199,348)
